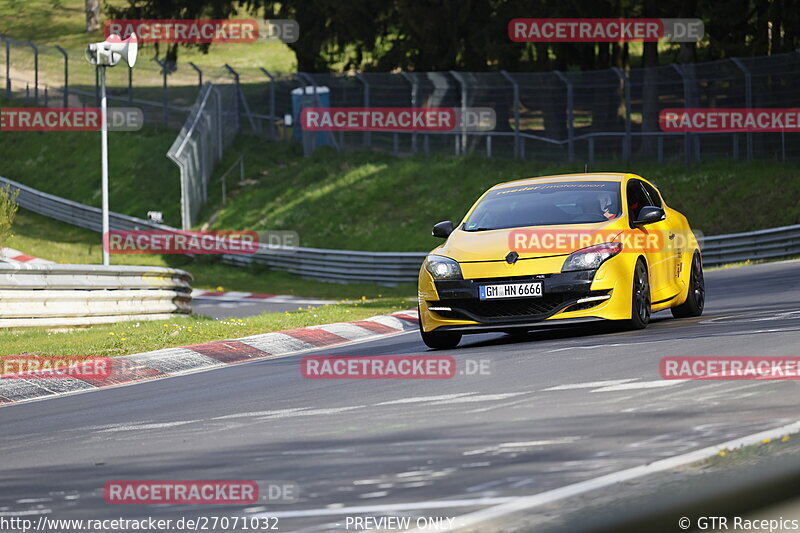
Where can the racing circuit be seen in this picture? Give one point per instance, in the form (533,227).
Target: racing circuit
(557,407)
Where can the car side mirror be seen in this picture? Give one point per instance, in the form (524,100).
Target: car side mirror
(443,229)
(648,215)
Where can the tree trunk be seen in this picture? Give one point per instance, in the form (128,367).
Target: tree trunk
(92,15)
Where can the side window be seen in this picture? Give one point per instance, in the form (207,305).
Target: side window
(637,198)
(652,193)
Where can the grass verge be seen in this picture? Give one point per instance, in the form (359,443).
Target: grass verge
(375,201)
(127,338)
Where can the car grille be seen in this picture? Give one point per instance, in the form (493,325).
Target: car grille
(510,310)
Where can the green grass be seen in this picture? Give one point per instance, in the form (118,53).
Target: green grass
(375,201)
(134,337)
(67,164)
(62,22)
(44,237)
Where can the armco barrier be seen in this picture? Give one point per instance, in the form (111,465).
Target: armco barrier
(384,267)
(68,295)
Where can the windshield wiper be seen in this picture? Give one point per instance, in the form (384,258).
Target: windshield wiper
(480,229)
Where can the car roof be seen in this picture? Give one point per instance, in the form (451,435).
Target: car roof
(599,176)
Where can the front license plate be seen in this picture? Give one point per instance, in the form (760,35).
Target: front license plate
(511,290)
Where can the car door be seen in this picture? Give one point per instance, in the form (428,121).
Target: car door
(671,252)
(657,257)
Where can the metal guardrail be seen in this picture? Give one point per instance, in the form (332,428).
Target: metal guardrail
(68,295)
(754,245)
(383,267)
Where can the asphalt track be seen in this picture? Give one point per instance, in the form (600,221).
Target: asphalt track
(556,407)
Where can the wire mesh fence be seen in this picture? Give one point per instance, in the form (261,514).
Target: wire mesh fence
(576,116)
(211,126)
(553,116)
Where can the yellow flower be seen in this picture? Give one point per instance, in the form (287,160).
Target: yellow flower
(123,339)
(723,453)
(786,438)
(220,289)
(363,298)
(110,332)
(766,441)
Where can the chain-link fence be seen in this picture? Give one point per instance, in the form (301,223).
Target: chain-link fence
(212,125)
(576,116)
(556,116)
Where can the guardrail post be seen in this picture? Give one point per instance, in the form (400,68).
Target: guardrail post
(367,134)
(8,66)
(463,84)
(272,117)
(748,97)
(570,125)
(514,84)
(35,71)
(414,103)
(66,74)
(626,147)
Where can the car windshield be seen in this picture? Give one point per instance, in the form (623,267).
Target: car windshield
(546,204)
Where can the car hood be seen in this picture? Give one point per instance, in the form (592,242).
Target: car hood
(493,245)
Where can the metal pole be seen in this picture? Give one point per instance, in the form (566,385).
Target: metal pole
(35,71)
(199,75)
(66,75)
(240,96)
(130,86)
(626,147)
(367,134)
(516,111)
(748,97)
(414,97)
(272,117)
(463,84)
(104,161)
(686,104)
(8,67)
(570,130)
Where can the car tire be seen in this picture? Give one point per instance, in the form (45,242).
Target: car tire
(640,298)
(696,299)
(438,340)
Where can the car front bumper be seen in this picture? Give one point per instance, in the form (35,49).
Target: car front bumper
(568,296)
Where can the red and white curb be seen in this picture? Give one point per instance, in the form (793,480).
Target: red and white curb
(186,359)
(11,255)
(234,296)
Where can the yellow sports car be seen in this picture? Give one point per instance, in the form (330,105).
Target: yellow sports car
(560,248)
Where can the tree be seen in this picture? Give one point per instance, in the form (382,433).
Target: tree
(92,15)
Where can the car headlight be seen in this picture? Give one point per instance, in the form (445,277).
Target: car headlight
(592,257)
(441,267)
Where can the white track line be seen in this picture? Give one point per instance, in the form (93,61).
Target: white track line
(527,502)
